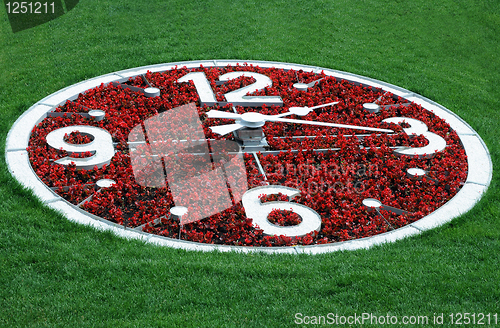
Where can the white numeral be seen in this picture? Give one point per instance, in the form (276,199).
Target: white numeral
(203,87)
(435,145)
(311,220)
(101,146)
(237,97)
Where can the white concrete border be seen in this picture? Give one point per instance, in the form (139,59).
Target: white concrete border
(478,157)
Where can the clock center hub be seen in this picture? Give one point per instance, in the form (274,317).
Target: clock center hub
(253,120)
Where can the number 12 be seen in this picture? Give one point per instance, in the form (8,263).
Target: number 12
(237,97)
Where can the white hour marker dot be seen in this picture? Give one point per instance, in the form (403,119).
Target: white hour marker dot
(371,107)
(375,204)
(105,183)
(97,114)
(301,86)
(102,183)
(305,86)
(415,172)
(178,211)
(151,92)
(372,203)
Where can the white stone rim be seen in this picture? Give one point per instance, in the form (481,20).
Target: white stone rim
(480,168)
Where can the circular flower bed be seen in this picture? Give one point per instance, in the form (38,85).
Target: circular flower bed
(284,218)
(77,138)
(334,168)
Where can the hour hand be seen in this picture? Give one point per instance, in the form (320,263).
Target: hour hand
(220,114)
(225,129)
(228,128)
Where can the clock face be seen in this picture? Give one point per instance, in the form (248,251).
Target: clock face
(249,154)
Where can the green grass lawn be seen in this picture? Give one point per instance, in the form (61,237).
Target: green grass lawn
(54,273)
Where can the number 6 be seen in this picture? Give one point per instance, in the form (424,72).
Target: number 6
(311,221)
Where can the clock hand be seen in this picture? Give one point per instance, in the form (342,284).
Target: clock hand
(228,128)
(302,111)
(255,120)
(334,125)
(375,106)
(220,114)
(225,129)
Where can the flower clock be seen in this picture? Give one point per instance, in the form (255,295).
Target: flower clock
(250,156)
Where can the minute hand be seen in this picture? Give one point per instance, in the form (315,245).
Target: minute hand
(334,125)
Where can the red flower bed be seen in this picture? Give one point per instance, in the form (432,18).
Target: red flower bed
(332,182)
(284,218)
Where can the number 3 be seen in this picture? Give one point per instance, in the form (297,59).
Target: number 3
(436,143)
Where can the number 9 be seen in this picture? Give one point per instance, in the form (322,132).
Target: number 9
(101,146)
